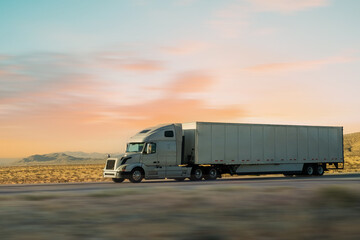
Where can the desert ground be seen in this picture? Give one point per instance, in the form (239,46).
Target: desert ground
(208,212)
(91,173)
(51,174)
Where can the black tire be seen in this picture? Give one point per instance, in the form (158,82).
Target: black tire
(309,170)
(179,179)
(319,170)
(211,174)
(196,174)
(136,175)
(118,180)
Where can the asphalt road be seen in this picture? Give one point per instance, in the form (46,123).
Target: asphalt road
(253,181)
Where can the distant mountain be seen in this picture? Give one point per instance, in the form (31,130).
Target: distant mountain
(58,157)
(61,158)
(94,155)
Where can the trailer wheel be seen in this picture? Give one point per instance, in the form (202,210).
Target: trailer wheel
(309,170)
(319,170)
(196,174)
(118,180)
(211,174)
(136,175)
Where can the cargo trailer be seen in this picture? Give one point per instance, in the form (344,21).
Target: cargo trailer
(206,150)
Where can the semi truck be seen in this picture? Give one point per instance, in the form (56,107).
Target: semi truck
(207,150)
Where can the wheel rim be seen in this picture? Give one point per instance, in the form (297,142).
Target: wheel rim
(320,170)
(136,175)
(212,173)
(198,173)
(310,170)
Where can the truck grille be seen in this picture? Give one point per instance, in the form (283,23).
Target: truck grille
(110,164)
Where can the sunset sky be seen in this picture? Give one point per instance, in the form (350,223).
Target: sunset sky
(86,75)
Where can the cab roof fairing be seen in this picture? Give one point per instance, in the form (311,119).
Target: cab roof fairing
(152,133)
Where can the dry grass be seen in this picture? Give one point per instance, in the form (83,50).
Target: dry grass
(200,212)
(52,174)
(352,164)
(352,152)
(352,144)
(90,173)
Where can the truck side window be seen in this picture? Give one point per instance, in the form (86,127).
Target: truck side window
(169,134)
(151,148)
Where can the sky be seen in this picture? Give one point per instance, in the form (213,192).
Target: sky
(86,75)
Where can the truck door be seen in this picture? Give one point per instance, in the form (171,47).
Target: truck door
(153,167)
(167,157)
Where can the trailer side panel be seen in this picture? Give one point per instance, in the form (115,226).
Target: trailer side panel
(228,143)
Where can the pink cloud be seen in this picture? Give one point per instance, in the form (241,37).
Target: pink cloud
(286,6)
(191,82)
(72,106)
(141,66)
(57,105)
(2,73)
(185,48)
(231,20)
(172,106)
(176,110)
(296,66)
(132,65)
(235,19)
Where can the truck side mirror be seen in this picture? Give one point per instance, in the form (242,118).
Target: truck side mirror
(148,150)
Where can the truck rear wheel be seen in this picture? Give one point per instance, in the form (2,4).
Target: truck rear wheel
(136,175)
(211,174)
(309,170)
(118,180)
(196,174)
(319,170)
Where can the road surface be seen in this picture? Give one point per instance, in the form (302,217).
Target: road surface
(252,181)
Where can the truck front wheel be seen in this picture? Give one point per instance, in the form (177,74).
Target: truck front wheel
(118,180)
(136,175)
(196,174)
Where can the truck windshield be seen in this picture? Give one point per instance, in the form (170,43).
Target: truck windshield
(134,147)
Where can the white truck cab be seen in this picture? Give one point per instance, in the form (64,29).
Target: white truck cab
(153,153)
